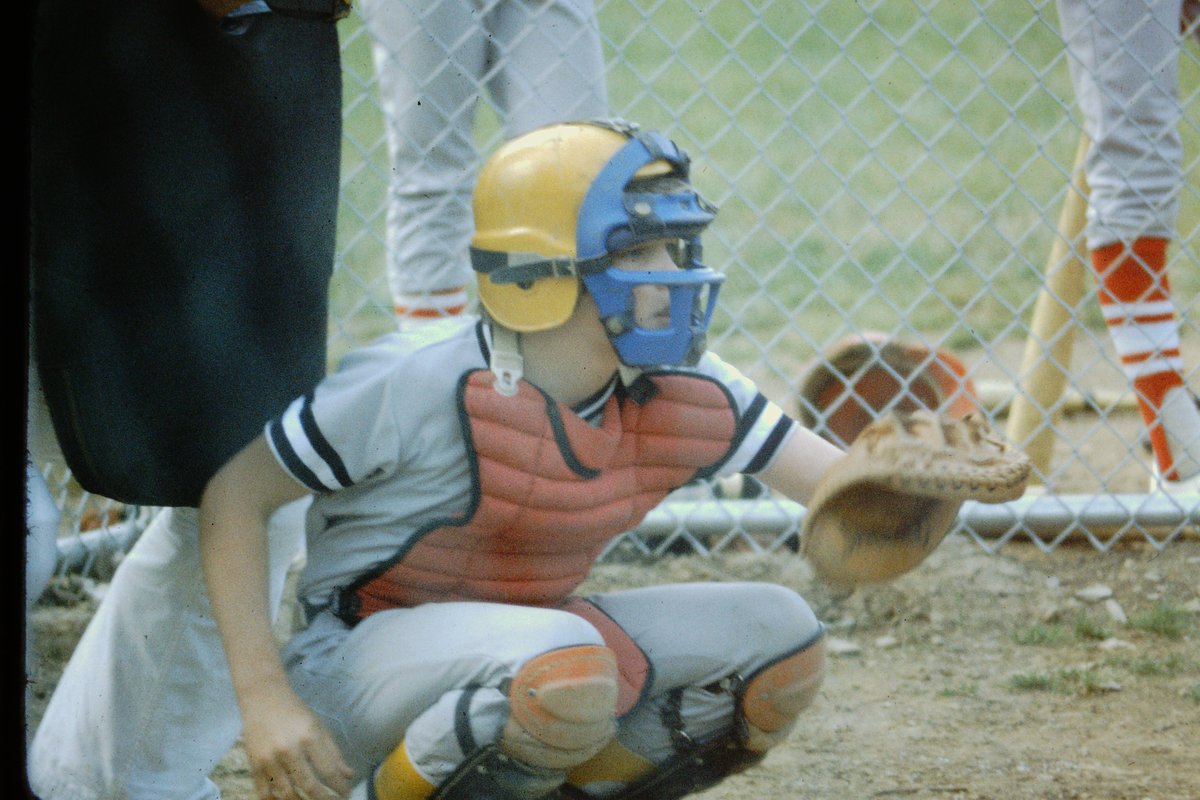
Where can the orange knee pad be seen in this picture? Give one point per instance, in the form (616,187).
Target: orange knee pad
(562,707)
(774,696)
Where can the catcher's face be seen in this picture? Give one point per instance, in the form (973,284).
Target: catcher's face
(651,301)
(655,300)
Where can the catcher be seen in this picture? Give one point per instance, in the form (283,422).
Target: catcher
(466,476)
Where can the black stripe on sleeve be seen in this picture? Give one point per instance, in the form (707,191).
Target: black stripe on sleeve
(324,449)
(290,460)
(773,440)
(747,420)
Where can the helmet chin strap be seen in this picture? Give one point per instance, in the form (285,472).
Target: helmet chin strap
(508,365)
(505,361)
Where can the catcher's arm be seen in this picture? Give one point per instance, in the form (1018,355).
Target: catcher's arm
(800,464)
(292,756)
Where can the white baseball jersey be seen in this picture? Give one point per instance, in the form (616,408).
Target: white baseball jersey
(380,443)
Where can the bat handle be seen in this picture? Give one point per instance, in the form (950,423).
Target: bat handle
(1043,375)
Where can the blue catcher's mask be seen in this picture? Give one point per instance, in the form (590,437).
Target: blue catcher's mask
(613,219)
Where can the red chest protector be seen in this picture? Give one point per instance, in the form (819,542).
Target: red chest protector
(550,491)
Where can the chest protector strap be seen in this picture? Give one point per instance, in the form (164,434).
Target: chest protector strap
(550,491)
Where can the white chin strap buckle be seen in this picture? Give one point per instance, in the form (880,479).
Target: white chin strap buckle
(506,362)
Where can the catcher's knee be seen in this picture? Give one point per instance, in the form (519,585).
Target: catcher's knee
(773,697)
(562,707)
(561,712)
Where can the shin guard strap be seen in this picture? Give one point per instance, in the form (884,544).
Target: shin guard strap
(490,774)
(701,768)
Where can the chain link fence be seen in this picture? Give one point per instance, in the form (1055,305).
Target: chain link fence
(894,173)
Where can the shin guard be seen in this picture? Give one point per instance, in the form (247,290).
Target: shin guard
(767,705)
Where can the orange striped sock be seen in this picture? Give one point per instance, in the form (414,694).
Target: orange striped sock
(425,306)
(1135,297)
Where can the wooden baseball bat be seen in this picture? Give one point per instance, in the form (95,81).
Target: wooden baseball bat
(1048,347)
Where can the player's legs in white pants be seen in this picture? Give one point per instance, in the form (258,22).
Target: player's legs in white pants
(1124,65)
(42,516)
(41,535)
(546,63)
(540,62)
(421,674)
(41,554)
(145,708)
(1124,58)
(435,676)
(698,637)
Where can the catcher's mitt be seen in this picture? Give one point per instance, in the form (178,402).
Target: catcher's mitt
(885,506)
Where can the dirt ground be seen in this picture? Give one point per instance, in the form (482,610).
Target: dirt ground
(1007,675)
(1013,676)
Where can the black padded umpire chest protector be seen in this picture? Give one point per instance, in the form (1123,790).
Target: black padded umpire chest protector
(183,194)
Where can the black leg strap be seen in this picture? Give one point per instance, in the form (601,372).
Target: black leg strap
(702,768)
(490,774)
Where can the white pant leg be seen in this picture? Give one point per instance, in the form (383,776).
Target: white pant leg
(540,62)
(696,635)
(145,708)
(42,516)
(41,535)
(41,556)
(551,64)
(1124,57)
(429,60)
(399,675)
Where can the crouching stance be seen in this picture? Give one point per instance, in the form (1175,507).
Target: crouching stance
(517,703)
(466,477)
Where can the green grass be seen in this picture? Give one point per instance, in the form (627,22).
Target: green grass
(1166,620)
(1084,681)
(1040,635)
(1093,680)
(1170,665)
(1162,620)
(897,166)
(1088,628)
(961,690)
(1083,628)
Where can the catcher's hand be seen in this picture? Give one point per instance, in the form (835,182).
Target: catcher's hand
(880,510)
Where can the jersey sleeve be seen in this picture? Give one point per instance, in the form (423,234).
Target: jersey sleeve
(762,426)
(347,428)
